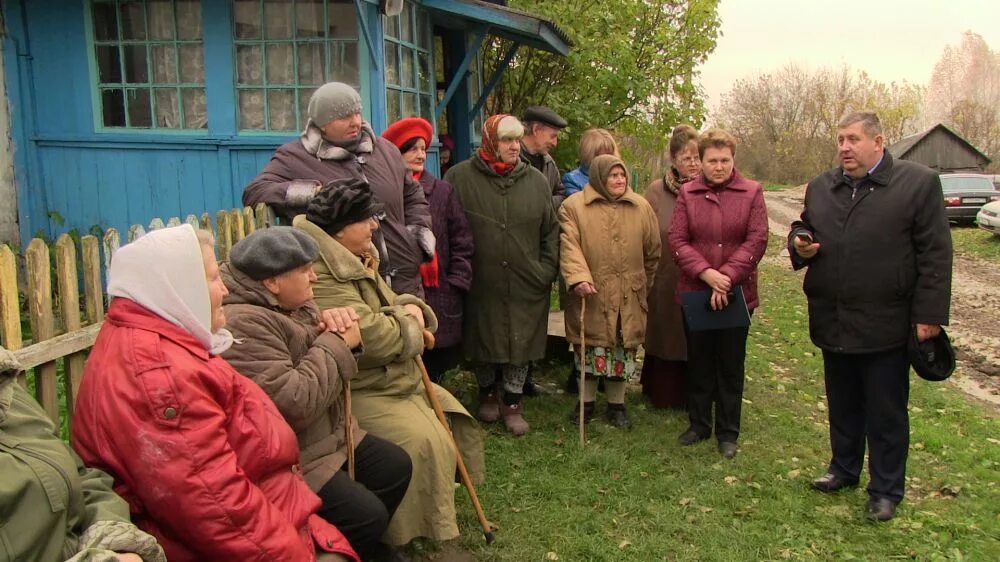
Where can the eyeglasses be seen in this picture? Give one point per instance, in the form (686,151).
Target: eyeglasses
(688,160)
(379,216)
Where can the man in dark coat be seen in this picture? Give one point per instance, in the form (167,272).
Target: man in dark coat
(876,240)
(338,144)
(541,134)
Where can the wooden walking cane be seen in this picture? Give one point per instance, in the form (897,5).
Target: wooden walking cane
(348,427)
(488,528)
(583,369)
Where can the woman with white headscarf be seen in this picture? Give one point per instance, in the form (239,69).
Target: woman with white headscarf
(203,457)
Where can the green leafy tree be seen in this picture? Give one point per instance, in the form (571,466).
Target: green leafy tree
(633,70)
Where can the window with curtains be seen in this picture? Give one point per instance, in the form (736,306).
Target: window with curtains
(149,63)
(410,88)
(285,49)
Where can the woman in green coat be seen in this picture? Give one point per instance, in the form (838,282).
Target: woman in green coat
(516,234)
(388,394)
(54,508)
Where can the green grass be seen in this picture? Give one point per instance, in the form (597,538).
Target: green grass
(973,241)
(777,186)
(638,495)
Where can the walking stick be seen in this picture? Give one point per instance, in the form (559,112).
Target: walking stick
(583,369)
(488,529)
(349,429)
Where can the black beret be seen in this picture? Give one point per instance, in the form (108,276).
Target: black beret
(933,359)
(342,202)
(542,114)
(269,252)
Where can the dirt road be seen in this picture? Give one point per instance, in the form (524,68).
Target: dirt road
(975,307)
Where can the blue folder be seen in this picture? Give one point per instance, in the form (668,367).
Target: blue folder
(700,317)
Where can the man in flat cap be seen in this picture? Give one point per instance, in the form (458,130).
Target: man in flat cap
(335,145)
(541,135)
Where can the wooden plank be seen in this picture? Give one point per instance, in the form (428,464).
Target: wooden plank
(93,294)
(557,324)
(173,221)
(236,220)
(223,235)
(263,215)
(10,313)
(193,221)
(59,346)
(206,223)
(42,322)
(249,221)
(156,224)
(135,232)
(69,298)
(112,241)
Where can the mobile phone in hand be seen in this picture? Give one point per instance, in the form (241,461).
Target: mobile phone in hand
(804,237)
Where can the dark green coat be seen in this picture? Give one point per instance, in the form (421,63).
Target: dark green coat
(516,259)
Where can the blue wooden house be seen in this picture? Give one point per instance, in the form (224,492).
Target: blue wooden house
(125,110)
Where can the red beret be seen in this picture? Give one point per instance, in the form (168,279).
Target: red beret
(405,129)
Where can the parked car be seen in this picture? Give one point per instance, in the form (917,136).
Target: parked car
(988,218)
(965,194)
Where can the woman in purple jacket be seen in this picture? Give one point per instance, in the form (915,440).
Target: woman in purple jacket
(718,235)
(448,276)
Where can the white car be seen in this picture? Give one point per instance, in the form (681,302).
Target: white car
(988,217)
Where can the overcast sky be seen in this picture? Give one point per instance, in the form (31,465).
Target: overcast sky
(888,39)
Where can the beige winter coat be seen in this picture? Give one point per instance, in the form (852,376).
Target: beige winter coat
(300,368)
(613,244)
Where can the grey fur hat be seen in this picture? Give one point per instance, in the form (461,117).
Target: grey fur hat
(333,100)
(269,252)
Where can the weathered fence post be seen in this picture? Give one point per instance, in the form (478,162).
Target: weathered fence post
(69,298)
(223,235)
(42,323)
(93,292)
(10,312)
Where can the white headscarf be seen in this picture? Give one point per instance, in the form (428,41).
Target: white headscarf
(164,272)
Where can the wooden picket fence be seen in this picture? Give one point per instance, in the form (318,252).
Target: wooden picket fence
(62,332)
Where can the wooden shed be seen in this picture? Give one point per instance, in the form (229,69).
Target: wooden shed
(941,149)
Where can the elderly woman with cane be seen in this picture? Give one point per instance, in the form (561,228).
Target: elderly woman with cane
(610,248)
(389,396)
(201,454)
(301,356)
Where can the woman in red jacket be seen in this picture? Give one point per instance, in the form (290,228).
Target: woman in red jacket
(718,234)
(203,457)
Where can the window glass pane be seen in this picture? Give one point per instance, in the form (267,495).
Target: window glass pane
(311,64)
(409,104)
(195,108)
(109,68)
(406,68)
(304,95)
(246,14)
(406,23)
(167,116)
(164,64)
(105,21)
(277,19)
(392,105)
(192,65)
(161,19)
(139,114)
(308,19)
(391,26)
(424,71)
(251,109)
(343,18)
(189,19)
(133,20)
(136,71)
(280,66)
(391,64)
(113,104)
(423,30)
(426,111)
(249,64)
(344,67)
(281,110)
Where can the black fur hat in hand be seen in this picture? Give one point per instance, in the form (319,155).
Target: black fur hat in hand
(342,202)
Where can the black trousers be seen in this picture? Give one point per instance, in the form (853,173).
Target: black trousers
(441,360)
(867,396)
(714,376)
(362,508)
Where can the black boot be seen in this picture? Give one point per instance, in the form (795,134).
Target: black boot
(588,413)
(618,417)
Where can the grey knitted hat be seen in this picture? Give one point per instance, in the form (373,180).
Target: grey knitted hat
(333,100)
(272,251)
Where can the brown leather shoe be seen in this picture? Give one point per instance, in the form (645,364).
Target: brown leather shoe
(489,408)
(513,418)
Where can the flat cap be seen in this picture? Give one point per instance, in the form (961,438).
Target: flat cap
(542,114)
(269,252)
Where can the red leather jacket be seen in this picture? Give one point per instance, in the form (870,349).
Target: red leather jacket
(725,230)
(201,454)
